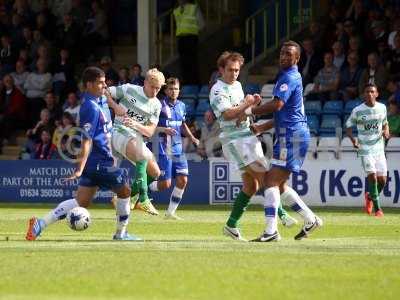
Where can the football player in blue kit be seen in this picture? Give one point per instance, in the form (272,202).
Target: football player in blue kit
(290,148)
(96,166)
(171,157)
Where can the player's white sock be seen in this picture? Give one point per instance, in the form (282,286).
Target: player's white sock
(291,198)
(154,186)
(123,209)
(175,199)
(60,212)
(271,203)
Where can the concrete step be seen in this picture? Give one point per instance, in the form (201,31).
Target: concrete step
(8,157)
(21,140)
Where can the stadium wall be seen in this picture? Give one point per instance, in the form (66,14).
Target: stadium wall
(320,182)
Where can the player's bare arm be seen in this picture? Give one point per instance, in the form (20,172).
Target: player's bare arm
(119,110)
(237,111)
(146,130)
(267,108)
(189,134)
(260,128)
(349,132)
(386,131)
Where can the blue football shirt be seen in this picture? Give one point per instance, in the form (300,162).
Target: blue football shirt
(171,115)
(289,89)
(95,121)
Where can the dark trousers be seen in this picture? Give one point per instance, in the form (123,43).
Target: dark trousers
(187,49)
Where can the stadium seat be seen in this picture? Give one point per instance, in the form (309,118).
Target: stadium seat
(313,107)
(330,125)
(347,145)
(333,108)
(251,88)
(393,145)
(189,101)
(328,144)
(204,92)
(266,91)
(350,105)
(202,107)
(190,111)
(199,121)
(189,91)
(313,123)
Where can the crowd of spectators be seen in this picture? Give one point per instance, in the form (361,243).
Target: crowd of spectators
(357,43)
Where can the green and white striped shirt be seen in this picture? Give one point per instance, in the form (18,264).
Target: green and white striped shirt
(369,122)
(224,96)
(139,107)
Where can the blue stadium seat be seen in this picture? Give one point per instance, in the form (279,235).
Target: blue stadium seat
(189,101)
(313,107)
(349,106)
(333,108)
(189,91)
(202,107)
(345,117)
(329,125)
(199,121)
(190,111)
(252,88)
(313,123)
(204,92)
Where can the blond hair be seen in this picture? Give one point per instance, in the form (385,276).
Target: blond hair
(154,75)
(229,56)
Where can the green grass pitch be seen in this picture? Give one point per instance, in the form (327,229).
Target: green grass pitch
(353,256)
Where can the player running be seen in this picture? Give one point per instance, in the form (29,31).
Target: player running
(291,145)
(96,167)
(171,158)
(136,118)
(371,120)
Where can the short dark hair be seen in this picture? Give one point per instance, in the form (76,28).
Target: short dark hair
(90,74)
(370,85)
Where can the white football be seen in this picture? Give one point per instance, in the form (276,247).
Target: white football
(78,218)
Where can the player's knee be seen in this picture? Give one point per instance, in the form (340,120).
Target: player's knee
(163,185)
(181,182)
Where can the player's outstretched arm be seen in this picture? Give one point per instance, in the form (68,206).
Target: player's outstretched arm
(260,128)
(267,108)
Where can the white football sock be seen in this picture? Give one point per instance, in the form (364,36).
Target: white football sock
(123,209)
(175,199)
(60,212)
(154,186)
(292,199)
(271,203)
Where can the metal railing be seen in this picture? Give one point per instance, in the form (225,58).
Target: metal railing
(276,21)
(214,12)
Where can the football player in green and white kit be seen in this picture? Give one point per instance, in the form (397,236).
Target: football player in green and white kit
(371,120)
(136,117)
(240,145)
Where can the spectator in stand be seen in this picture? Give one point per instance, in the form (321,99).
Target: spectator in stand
(36,86)
(339,58)
(45,149)
(43,52)
(316,33)
(378,34)
(23,9)
(393,89)
(392,34)
(73,107)
(53,107)
(24,56)
(44,26)
(33,134)
(355,46)
(394,118)
(66,128)
(356,13)
(8,54)
(310,61)
(135,75)
(79,12)
(63,78)
(20,75)
(95,33)
(350,77)
(68,35)
(210,145)
(349,31)
(106,66)
(393,63)
(28,42)
(12,109)
(123,75)
(326,83)
(15,30)
(375,73)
